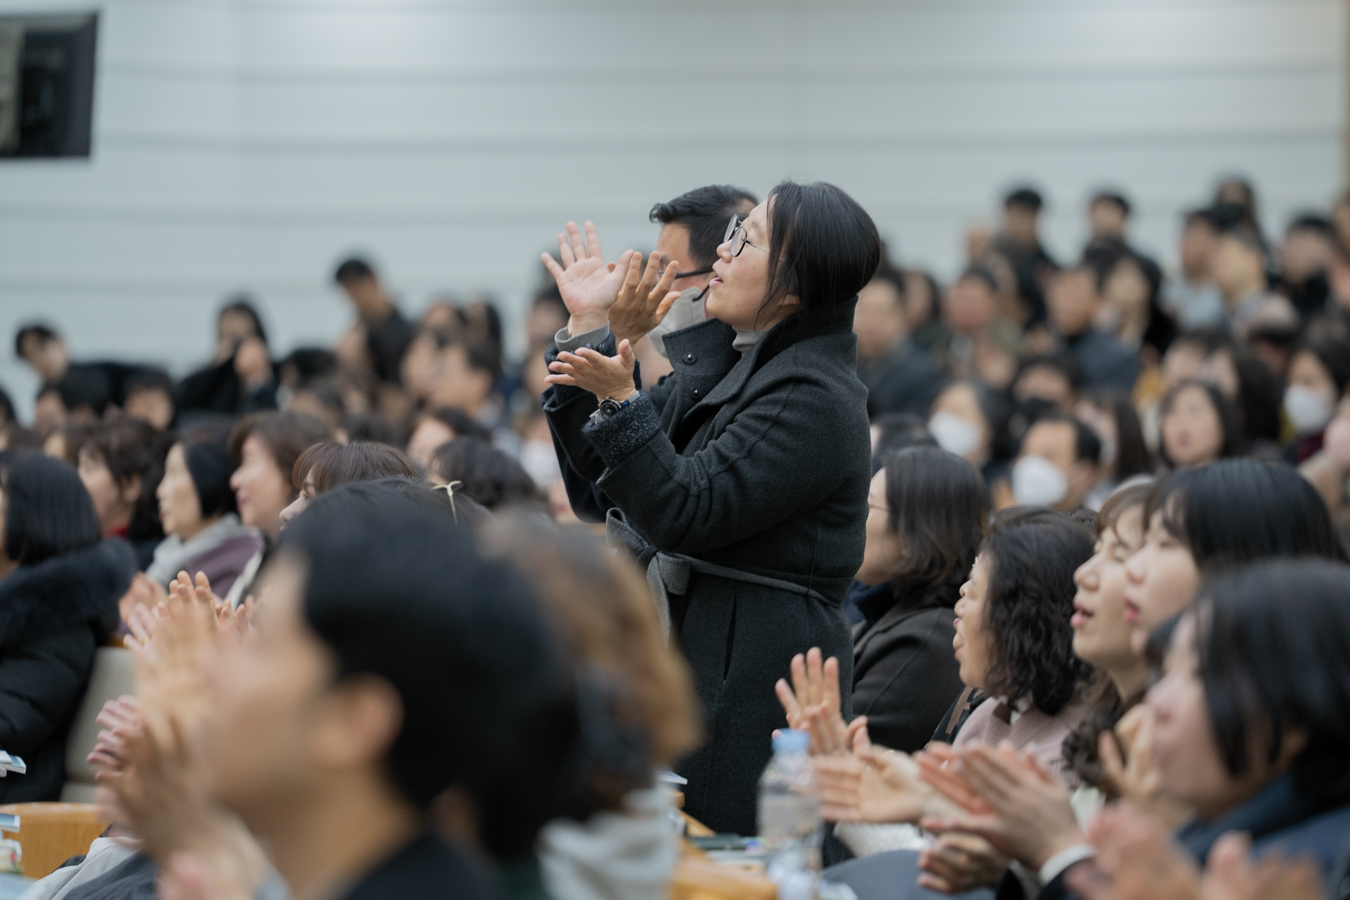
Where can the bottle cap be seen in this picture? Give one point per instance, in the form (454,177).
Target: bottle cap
(788,740)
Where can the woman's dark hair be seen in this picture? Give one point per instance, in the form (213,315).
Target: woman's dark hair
(938,506)
(131,448)
(1234,511)
(48,512)
(208,461)
(397,591)
(1258,396)
(484,473)
(1132,453)
(1032,554)
(1105,705)
(899,431)
(336,464)
(823,247)
(467,512)
(286,436)
(1223,408)
(1273,641)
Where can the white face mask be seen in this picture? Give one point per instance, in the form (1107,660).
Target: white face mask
(1037,482)
(541,462)
(1308,410)
(953,433)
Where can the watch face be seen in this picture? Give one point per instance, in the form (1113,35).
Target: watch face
(609,407)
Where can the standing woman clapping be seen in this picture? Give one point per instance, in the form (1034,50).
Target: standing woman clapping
(741,479)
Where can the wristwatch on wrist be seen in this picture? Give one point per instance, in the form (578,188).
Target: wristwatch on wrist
(609,408)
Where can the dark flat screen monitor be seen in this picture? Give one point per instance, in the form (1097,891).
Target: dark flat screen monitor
(47,85)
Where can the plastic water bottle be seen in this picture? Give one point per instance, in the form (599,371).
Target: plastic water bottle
(789,811)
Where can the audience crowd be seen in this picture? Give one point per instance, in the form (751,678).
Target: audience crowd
(1048,562)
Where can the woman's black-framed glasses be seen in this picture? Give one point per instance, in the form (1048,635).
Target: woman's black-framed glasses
(736,236)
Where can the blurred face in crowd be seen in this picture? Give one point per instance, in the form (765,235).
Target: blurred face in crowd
(885,548)
(48,358)
(1219,370)
(879,319)
(49,413)
(973,643)
(180,508)
(1185,749)
(1106,219)
(1101,636)
(1238,267)
(114,502)
(457,384)
(1192,432)
(261,489)
(1072,302)
(1311,396)
(1019,223)
(150,405)
(959,426)
(1055,442)
(1046,383)
(429,434)
(1125,294)
(545,320)
(1161,578)
(1304,253)
(1198,239)
(1182,362)
(739,284)
(232,329)
(418,368)
(920,304)
(367,296)
(969,306)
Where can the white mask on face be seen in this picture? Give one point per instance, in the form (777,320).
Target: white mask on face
(540,461)
(953,433)
(1308,410)
(1037,482)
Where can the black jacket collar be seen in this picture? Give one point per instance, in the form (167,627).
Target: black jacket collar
(78,588)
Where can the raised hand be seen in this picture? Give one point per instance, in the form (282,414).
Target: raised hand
(1135,777)
(604,376)
(815,683)
(1008,800)
(589,286)
(642,302)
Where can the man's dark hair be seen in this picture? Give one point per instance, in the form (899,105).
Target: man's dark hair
(484,473)
(397,591)
(1314,222)
(149,380)
(36,331)
(1062,365)
(461,423)
(1032,555)
(705,212)
(1024,198)
(48,512)
(1235,511)
(353,269)
(1087,447)
(1273,641)
(1114,198)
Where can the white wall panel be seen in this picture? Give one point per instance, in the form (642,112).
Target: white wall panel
(249,143)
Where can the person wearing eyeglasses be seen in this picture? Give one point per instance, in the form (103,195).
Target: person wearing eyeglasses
(741,479)
(692,227)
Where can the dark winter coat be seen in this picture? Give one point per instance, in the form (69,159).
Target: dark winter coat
(749,475)
(53,617)
(905,675)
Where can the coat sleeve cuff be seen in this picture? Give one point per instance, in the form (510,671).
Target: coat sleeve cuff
(624,433)
(600,340)
(593,338)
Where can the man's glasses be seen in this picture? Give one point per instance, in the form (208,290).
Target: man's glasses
(736,236)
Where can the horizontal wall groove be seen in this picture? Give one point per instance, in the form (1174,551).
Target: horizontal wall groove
(1063,138)
(782,7)
(944,71)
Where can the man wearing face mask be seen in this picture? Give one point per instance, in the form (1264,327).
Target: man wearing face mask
(1058,465)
